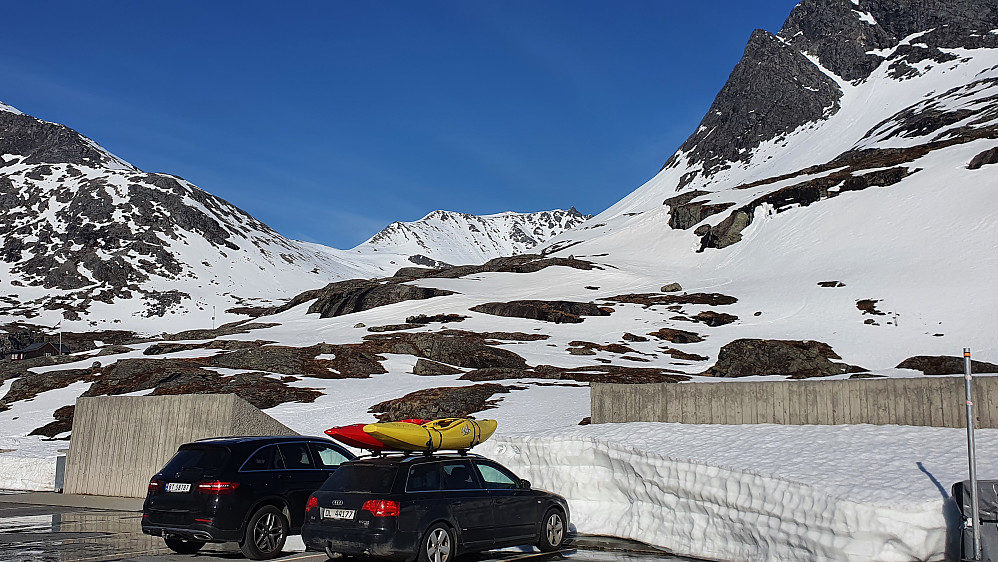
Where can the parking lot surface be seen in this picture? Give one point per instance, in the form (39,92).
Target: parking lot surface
(31,532)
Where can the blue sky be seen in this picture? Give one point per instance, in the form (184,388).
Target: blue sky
(329,120)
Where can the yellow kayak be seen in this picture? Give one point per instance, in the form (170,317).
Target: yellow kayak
(446,433)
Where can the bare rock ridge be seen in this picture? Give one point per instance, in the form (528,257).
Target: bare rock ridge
(776,88)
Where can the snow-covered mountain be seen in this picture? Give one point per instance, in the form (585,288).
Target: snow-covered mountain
(839,195)
(447,238)
(89,238)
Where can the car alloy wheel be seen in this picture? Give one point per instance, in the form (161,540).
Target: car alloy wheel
(553,530)
(438,546)
(265,534)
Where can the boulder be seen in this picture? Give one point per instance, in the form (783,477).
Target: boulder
(945,365)
(789,358)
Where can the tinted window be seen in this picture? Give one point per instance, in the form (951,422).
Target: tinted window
(458,476)
(497,477)
(267,458)
(424,478)
(361,478)
(295,455)
(203,457)
(327,456)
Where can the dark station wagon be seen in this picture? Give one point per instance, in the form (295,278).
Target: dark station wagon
(251,490)
(430,508)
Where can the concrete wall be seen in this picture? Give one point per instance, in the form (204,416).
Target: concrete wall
(119,442)
(932,401)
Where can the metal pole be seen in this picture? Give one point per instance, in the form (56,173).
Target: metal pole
(976,514)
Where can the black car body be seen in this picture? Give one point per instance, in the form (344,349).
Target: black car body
(251,490)
(408,507)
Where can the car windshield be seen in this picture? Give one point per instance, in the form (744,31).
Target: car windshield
(361,478)
(200,457)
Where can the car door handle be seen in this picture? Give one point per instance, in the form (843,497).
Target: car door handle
(498,502)
(284,477)
(456,504)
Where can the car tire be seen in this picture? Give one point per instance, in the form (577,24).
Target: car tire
(437,545)
(183,546)
(266,532)
(552,531)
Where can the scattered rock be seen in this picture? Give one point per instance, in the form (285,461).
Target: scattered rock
(682,355)
(789,358)
(631,337)
(945,365)
(394,327)
(611,374)
(609,348)
(547,311)
(671,288)
(831,284)
(586,420)
(422,319)
(677,336)
(869,306)
(655,299)
(581,351)
(714,319)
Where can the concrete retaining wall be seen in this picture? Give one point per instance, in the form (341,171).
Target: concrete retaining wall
(119,442)
(929,401)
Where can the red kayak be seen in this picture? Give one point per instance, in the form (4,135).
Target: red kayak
(354,436)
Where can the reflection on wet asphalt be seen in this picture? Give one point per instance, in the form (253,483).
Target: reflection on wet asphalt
(35,533)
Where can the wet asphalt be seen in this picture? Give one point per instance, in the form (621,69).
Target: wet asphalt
(102,531)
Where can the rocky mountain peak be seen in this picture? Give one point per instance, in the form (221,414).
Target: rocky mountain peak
(41,142)
(786,81)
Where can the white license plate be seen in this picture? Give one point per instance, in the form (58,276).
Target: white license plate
(337,513)
(178,487)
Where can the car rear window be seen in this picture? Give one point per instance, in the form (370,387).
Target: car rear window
(202,457)
(361,478)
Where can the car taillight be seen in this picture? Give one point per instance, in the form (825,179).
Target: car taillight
(313,503)
(155,485)
(381,508)
(217,487)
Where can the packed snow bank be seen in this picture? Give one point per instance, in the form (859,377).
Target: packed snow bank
(763,492)
(27,473)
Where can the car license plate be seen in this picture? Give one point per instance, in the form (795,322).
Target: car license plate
(337,513)
(178,487)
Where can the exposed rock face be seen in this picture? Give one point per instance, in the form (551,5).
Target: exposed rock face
(654,299)
(548,311)
(41,142)
(945,365)
(445,402)
(467,350)
(525,263)
(837,32)
(173,376)
(63,423)
(355,295)
(425,367)
(773,90)
(792,359)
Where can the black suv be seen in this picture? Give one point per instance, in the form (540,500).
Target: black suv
(247,489)
(431,507)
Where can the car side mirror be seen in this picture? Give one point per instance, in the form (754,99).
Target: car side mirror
(524,484)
